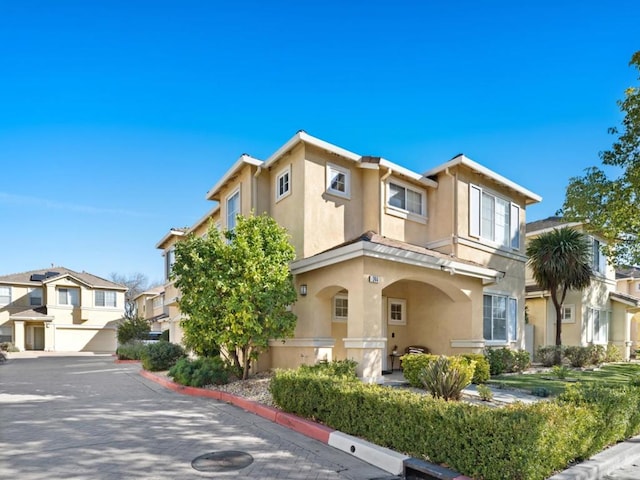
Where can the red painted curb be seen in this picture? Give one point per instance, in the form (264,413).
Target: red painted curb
(126,361)
(300,425)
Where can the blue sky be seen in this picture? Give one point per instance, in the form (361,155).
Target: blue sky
(117,117)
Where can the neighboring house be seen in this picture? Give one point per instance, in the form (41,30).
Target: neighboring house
(150,306)
(58,309)
(628,283)
(597,315)
(385,256)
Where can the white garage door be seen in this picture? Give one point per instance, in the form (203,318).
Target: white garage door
(75,339)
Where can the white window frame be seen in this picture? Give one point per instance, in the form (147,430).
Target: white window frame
(284,173)
(169,260)
(405,212)
(5,298)
(511,319)
(340,318)
(103,303)
(571,310)
(476,229)
(603,317)
(69,298)
(231,216)
(391,318)
(33,297)
(331,170)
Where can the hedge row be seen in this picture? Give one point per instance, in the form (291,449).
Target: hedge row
(516,442)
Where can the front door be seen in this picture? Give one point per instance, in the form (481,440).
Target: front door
(38,338)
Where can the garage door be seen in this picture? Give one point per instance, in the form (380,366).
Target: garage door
(75,339)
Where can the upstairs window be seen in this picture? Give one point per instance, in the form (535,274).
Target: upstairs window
(338,180)
(105,298)
(69,296)
(5,295)
(169,260)
(158,302)
(493,218)
(598,259)
(35,296)
(406,198)
(283,184)
(233,209)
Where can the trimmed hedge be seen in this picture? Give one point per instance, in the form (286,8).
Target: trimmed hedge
(161,355)
(200,372)
(414,363)
(131,350)
(515,442)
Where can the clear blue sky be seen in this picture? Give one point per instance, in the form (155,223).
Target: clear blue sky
(116,117)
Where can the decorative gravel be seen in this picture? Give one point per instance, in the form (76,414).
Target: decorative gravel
(255,388)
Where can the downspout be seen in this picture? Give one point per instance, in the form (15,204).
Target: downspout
(454,210)
(383,179)
(254,191)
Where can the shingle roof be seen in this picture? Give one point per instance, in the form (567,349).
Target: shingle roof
(39,313)
(626,298)
(628,272)
(25,278)
(549,222)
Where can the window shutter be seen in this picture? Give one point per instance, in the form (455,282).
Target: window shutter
(474,210)
(513,319)
(515,226)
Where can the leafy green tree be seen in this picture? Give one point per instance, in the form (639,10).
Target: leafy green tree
(134,328)
(236,288)
(611,206)
(560,261)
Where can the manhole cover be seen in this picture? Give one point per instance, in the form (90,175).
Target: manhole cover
(222,461)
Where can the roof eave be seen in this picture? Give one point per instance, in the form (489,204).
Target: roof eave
(243,160)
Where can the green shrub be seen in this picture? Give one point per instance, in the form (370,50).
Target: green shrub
(334,368)
(524,442)
(413,364)
(164,336)
(560,371)
(598,354)
(482,372)
(445,377)
(522,360)
(200,372)
(485,393)
(504,360)
(578,356)
(131,350)
(8,347)
(161,356)
(546,354)
(135,328)
(612,354)
(540,392)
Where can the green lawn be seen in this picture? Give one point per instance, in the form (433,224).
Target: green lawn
(614,374)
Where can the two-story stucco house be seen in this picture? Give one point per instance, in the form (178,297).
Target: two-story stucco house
(386,257)
(600,314)
(150,306)
(58,309)
(628,283)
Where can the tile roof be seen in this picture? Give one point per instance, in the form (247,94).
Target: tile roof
(24,278)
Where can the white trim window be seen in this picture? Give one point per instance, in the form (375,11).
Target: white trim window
(340,308)
(568,313)
(105,298)
(500,318)
(397,311)
(157,302)
(338,180)
(69,296)
(35,297)
(406,200)
(233,209)
(493,218)
(6,334)
(283,184)
(5,295)
(599,321)
(598,258)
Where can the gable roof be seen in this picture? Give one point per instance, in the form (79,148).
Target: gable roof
(460,159)
(43,276)
(549,223)
(628,272)
(235,168)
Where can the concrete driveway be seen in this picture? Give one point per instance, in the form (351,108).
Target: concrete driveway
(84,417)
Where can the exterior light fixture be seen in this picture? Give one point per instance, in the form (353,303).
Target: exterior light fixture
(303,289)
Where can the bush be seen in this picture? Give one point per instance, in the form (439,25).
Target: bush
(546,355)
(445,377)
(482,372)
(578,356)
(560,371)
(412,366)
(135,328)
(161,356)
(334,368)
(200,372)
(485,393)
(8,347)
(522,360)
(524,442)
(130,351)
(612,354)
(597,353)
(505,360)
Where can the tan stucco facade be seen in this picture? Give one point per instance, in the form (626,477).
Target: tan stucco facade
(388,249)
(65,312)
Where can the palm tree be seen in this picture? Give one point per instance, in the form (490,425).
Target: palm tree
(560,261)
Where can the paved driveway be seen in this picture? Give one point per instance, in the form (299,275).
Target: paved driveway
(84,417)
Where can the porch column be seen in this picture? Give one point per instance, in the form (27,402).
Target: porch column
(364,342)
(18,334)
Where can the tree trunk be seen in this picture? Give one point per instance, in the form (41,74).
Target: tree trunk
(557,306)
(245,361)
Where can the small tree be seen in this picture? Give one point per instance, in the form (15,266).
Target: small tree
(236,288)
(130,329)
(560,261)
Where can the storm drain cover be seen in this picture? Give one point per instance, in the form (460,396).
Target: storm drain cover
(222,461)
